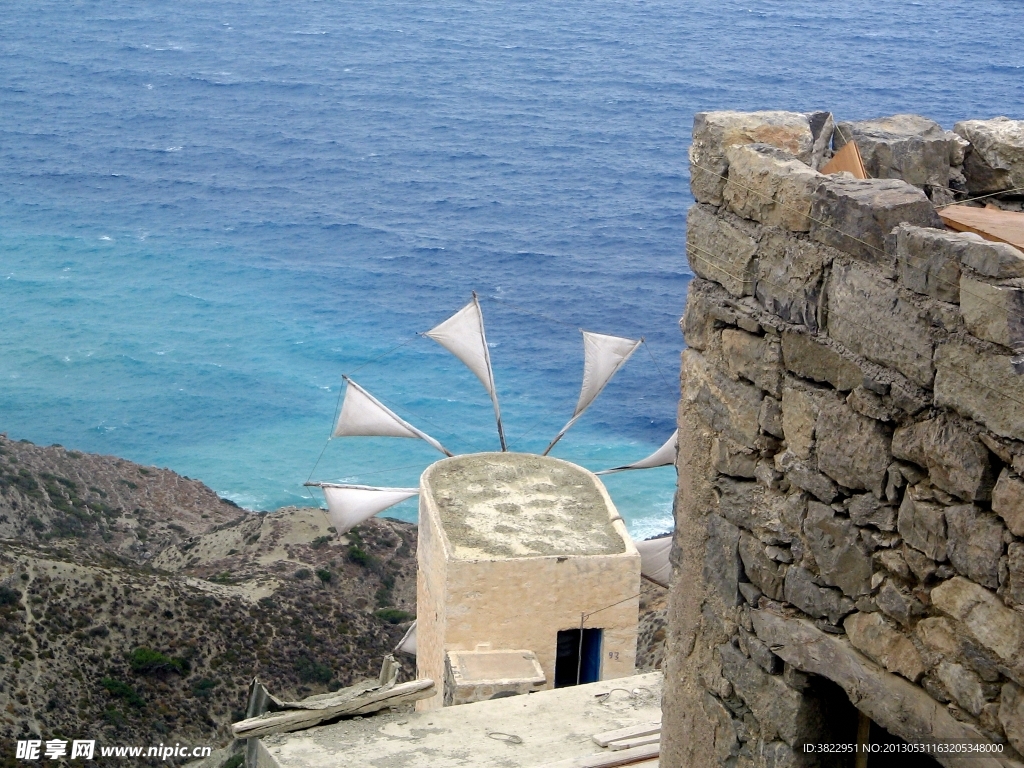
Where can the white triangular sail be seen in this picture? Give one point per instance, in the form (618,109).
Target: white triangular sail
(408,641)
(602,357)
(364,415)
(663,457)
(654,559)
(462,334)
(349,505)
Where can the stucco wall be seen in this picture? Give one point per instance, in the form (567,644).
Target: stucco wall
(513,603)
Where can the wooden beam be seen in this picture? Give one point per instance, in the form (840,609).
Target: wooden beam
(991,223)
(609,759)
(606,738)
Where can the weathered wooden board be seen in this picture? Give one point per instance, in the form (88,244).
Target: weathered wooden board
(991,223)
(360,704)
(847,159)
(606,738)
(610,759)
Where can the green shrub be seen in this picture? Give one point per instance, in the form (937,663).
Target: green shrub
(393,615)
(9,596)
(303,573)
(122,691)
(324,574)
(146,661)
(235,761)
(203,688)
(310,671)
(359,556)
(320,541)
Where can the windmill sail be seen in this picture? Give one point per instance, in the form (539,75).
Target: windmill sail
(349,505)
(654,559)
(602,357)
(364,415)
(663,457)
(462,334)
(408,641)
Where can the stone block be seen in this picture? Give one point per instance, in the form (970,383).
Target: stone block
(865,509)
(728,407)
(721,248)
(814,359)
(758,359)
(715,132)
(908,147)
(938,637)
(922,524)
(778,709)
(1015,572)
(867,403)
(993,312)
(704,316)
(872,635)
(1011,714)
(892,561)
(923,567)
(732,459)
(995,160)
(855,215)
(770,417)
(868,316)
(897,602)
(721,560)
(956,460)
(737,501)
(998,260)
(963,685)
(902,708)
(834,542)
(852,449)
(763,572)
(974,543)
(989,621)
(981,386)
(801,590)
(929,261)
(1008,501)
(790,276)
(727,746)
(805,477)
(800,408)
(769,185)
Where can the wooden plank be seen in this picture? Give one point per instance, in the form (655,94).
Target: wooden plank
(639,741)
(606,738)
(847,159)
(610,759)
(298,719)
(991,223)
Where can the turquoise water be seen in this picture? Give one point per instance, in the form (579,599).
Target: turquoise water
(211,211)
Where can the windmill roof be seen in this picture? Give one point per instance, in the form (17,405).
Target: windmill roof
(509,505)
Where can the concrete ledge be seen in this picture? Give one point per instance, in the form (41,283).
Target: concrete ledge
(553,725)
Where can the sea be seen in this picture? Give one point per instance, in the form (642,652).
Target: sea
(211,211)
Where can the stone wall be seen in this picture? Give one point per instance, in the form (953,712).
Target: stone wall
(850,512)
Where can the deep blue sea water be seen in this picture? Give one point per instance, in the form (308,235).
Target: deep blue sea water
(210,211)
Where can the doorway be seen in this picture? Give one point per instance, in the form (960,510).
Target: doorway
(578,657)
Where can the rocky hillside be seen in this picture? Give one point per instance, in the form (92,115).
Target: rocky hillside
(136,605)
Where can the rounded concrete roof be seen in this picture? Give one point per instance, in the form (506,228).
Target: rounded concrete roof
(505,505)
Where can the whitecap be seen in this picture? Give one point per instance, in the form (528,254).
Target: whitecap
(173,149)
(149,86)
(108,239)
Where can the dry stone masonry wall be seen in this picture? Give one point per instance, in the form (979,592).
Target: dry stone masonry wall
(850,514)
